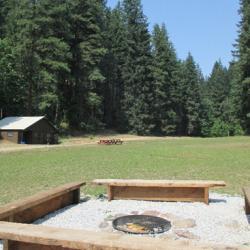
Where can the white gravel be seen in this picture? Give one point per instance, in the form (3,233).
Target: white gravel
(222,221)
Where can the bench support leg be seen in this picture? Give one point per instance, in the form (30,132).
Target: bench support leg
(247,206)
(206,195)
(76,196)
(110,192)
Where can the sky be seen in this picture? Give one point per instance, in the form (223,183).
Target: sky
(206,28)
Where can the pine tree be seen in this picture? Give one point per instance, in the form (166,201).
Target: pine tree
(113,65)
(87,50)
(191,97)
(243,51)
(165,82)
(23,34)
(218,88)
(53,52)
(11,86)
(137,72)
(4,8)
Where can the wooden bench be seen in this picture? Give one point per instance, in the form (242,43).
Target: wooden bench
(159,190)
(37,237)
(246,192)
(34,207)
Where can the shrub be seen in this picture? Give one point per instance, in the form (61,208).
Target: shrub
(220,128)
(64,127)
(237,129)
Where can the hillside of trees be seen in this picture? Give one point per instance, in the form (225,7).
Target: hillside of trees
(88,67)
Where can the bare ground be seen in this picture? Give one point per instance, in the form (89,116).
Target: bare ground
(6,146)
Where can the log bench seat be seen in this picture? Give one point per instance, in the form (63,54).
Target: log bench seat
(159,190)
(246,192)
(36,206)
(17,236)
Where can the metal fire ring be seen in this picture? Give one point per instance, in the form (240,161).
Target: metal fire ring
(145,224)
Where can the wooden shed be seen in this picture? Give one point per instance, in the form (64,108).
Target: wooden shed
(28,130)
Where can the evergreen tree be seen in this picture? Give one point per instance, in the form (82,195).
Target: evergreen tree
(165,82)
(233,109)
(85,103)
(53,52)
(113,65)
(243,51)
(137,72)
(3,13)
(218,88)
(11,86)
(23,33)
(86,66)
(191,97)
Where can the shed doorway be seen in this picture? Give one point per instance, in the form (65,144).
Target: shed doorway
(27,137)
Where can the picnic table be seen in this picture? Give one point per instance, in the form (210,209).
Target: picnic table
(110,142)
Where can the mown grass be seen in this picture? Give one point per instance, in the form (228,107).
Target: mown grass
(26,172)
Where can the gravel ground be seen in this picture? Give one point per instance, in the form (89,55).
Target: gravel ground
(223,221)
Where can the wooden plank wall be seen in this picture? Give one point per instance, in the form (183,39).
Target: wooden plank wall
(158,193)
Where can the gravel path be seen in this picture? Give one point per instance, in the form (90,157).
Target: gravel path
(223,221)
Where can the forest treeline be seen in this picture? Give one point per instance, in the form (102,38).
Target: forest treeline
(87,67)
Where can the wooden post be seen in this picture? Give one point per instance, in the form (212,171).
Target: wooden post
(206,195)
(76,196)
(6,245)
(247,206)
(9,245)
(110,193)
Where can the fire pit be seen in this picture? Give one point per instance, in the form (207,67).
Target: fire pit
(141,224)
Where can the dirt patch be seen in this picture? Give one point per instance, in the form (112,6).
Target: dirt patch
(6,147)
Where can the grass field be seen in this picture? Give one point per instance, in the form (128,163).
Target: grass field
(26,172)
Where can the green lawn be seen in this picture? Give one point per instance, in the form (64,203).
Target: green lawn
(24,173)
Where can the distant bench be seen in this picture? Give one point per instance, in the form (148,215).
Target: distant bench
(36,206)
(246,192)
(159,190)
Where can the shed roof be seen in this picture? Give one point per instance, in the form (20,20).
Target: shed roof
(19,122)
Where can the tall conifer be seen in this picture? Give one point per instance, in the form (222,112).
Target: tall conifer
(165,82)
(137,72)
(243,49)
(191,97)
(113,64)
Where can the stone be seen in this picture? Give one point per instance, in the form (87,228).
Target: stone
(151,212)
(170,217)
(119,215)
(233,224)
(85,198)
(225,248)
(103,224)
(109,230)
(186,234)
(169,236)
(109,218)
(184,223)
(134,212)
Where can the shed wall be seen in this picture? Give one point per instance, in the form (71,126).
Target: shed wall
(42,133)
(12,136)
